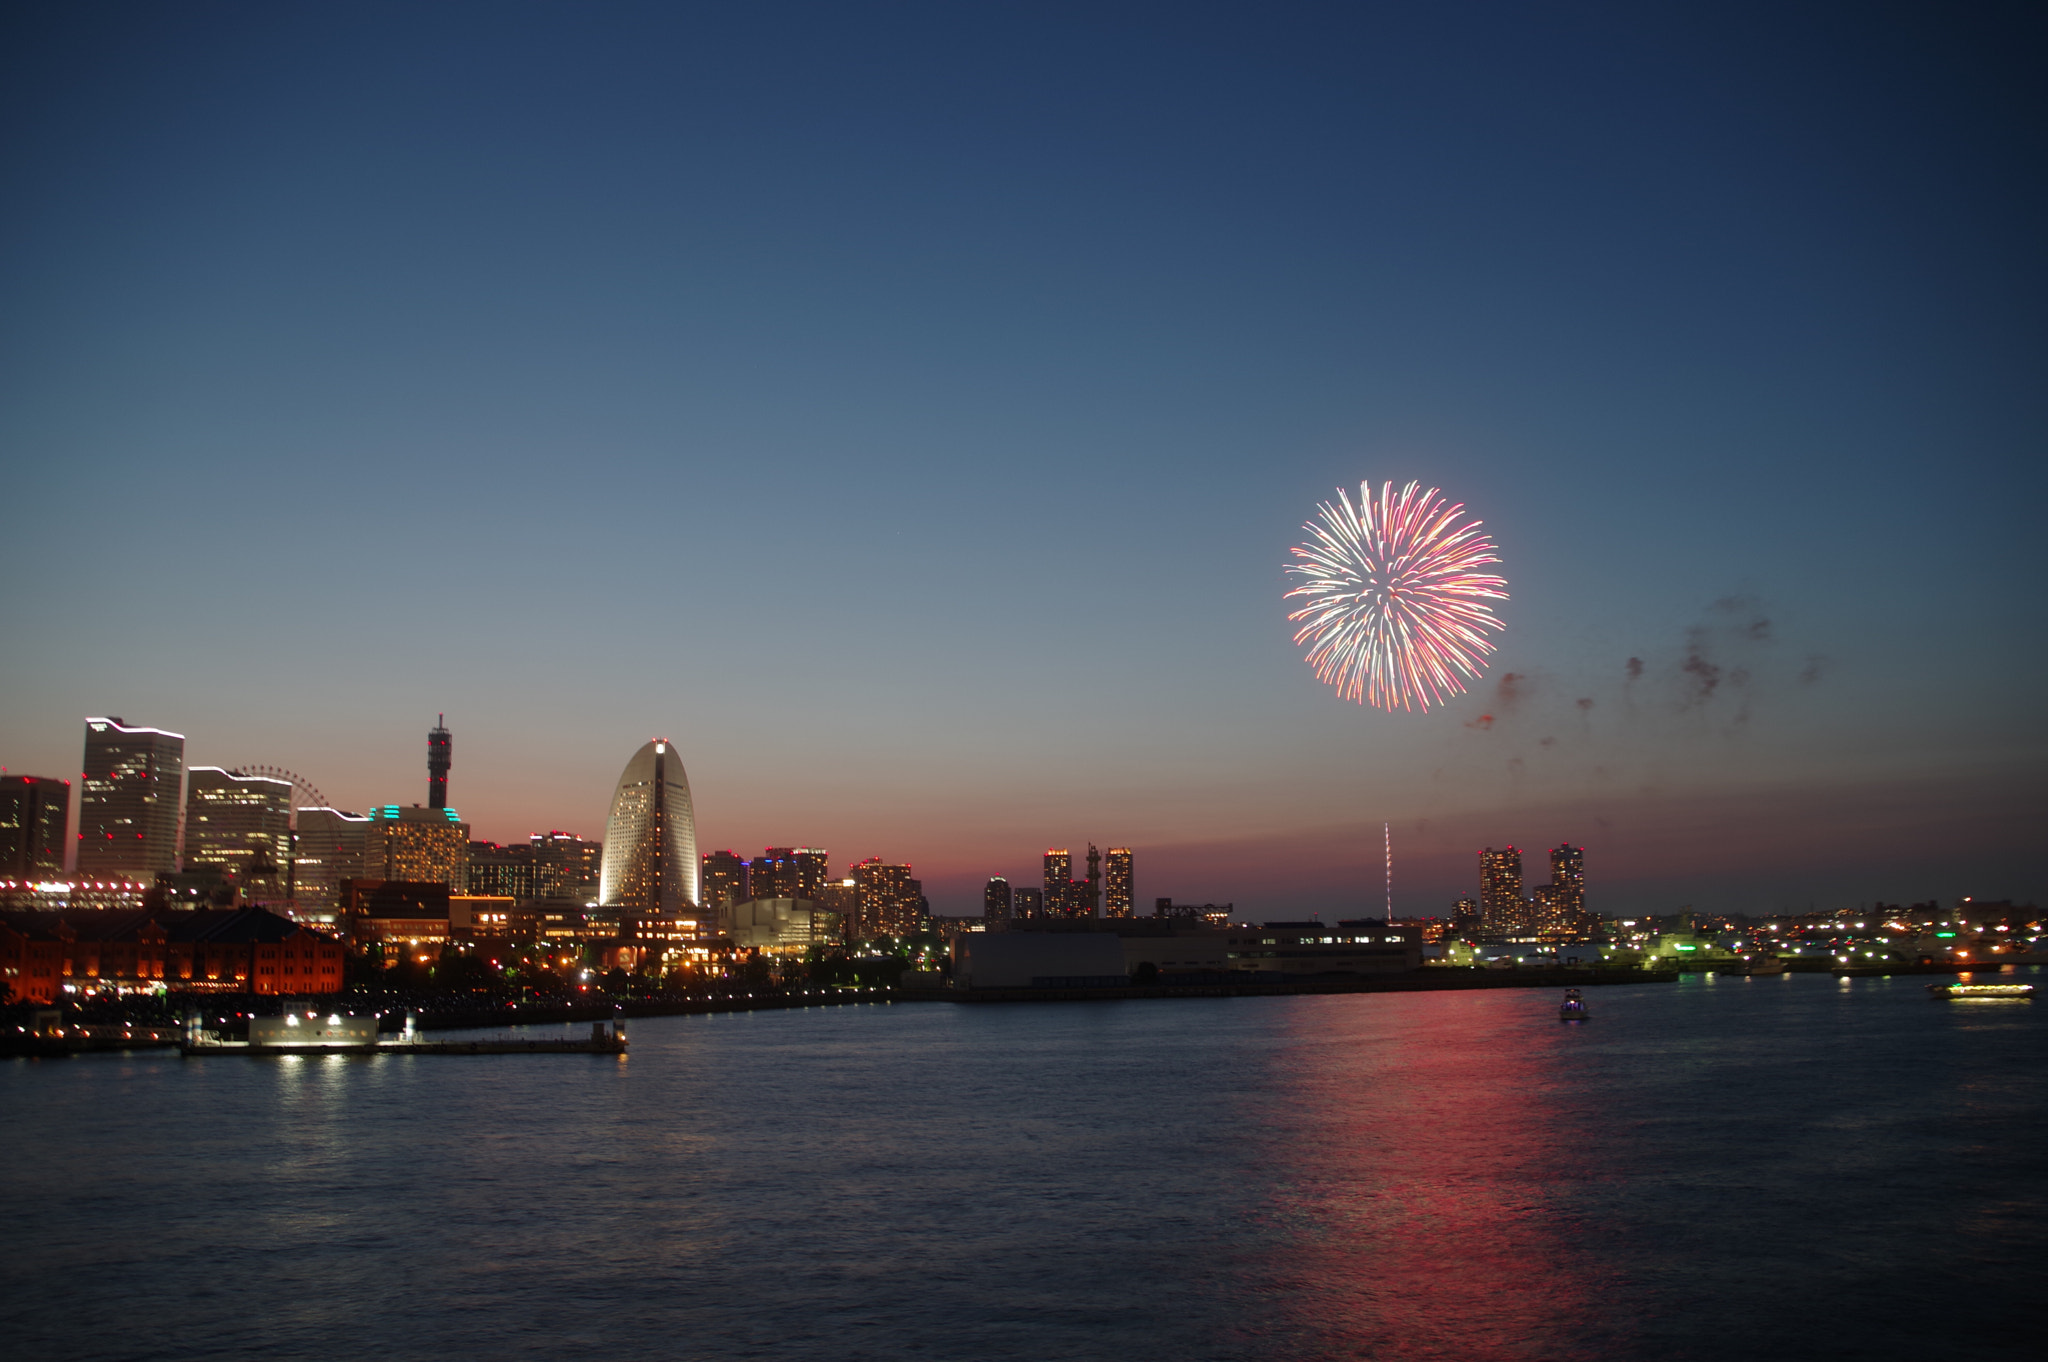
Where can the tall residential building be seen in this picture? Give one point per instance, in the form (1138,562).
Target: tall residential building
(995,900)
(1568,879)
(504,871)
(1027,904)
(241,825)
(811,865)
(417,845)
(1501,906)
(650,838)
(440,755)
(773,875)
(1058,868)
(35,816)
(129,799)
(333,846)
(1091,906)
(724,879)
(890,900)
(1116,888)
(1465,917)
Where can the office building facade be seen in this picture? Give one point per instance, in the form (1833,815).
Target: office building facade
(35,819)
(417,845)
(332,845)
(242,826)
(128,801)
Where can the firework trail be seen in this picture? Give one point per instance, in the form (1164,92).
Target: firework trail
(1393,605)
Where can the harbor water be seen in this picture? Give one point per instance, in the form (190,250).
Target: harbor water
(1788,1167)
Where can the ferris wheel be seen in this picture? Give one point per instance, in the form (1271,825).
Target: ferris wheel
(304,793)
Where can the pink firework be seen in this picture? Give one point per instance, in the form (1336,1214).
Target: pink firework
(1394,608)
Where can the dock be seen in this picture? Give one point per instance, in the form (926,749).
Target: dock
(603,1040)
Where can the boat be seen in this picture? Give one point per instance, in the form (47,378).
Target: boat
(1573,1008)
(1960,990)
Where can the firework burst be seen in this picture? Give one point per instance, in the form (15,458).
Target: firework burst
(1393,605)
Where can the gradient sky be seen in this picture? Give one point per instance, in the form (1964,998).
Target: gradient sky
(907,409)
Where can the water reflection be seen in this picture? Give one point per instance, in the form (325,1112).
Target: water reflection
(1422,1184)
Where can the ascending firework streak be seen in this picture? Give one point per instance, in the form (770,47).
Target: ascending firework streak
(1393,608)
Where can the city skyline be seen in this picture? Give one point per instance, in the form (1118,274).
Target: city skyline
(977,371)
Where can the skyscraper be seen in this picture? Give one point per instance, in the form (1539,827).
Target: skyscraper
(566,866)
(1058,866)
(1091,905)
(332,846)
(1027,904)
(890,900)
(1568,880)
(128,801)
(995,900)
(1116,894)
(440,755)
(35,815)
(1501,907)
(725,879)
(241,825)
(417,845)
(650,838)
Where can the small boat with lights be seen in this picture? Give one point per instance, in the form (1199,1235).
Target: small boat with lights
(1962,990)
(1573,1008)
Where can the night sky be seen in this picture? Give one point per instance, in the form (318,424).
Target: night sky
(907,409)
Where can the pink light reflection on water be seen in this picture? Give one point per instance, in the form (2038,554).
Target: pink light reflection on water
(1426,1159)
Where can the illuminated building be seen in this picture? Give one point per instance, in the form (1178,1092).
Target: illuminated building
(1568,881)
(811,865)
(773,875)
(995,900)
(440,755)
(35,815)
(891,903)
(1058,866)
(1026,904)
(1465,916)
(223,950)
(241,825)
(566,866)
(724,879)
(1090,904)
(504,871)
(1116,896)
(841,898)
(396,913)
(650,838)
(129,799)
(332,846)
(417,845)
(1501,906)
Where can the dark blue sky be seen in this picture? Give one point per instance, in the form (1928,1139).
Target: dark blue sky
(907,409)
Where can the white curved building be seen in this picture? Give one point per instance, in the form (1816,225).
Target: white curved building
(650,839)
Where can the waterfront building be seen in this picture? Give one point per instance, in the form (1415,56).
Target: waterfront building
(1058,872)
(1214,914)
(241,826)
(411,843)
(35,818)
(650,837)
(773,875)
(841,898)
(504,871)
(781,926)
(724,880)
(1465,917)
(128,802)
(566,866)
(395,914)
(891,903)
(1116,896)
(1090,904)
(224,950)
(1027,904)
(1568,881)
(995,900)
(440,755)
(1502,908)
(332,846)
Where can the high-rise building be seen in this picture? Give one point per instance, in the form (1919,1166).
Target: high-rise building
(417,845)
(1091,906)
(811,865)
(725,879)
(773,875)
(566,866)
(995,900)
(129,799)
(890,900)
(241,825)
(440,755)
(1116,891)
(1501,906)
(35,816)
(650,838)
(1027,904)
(1568,878)
(333,846)
(1465,916)
(503,871)
(1058,868)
